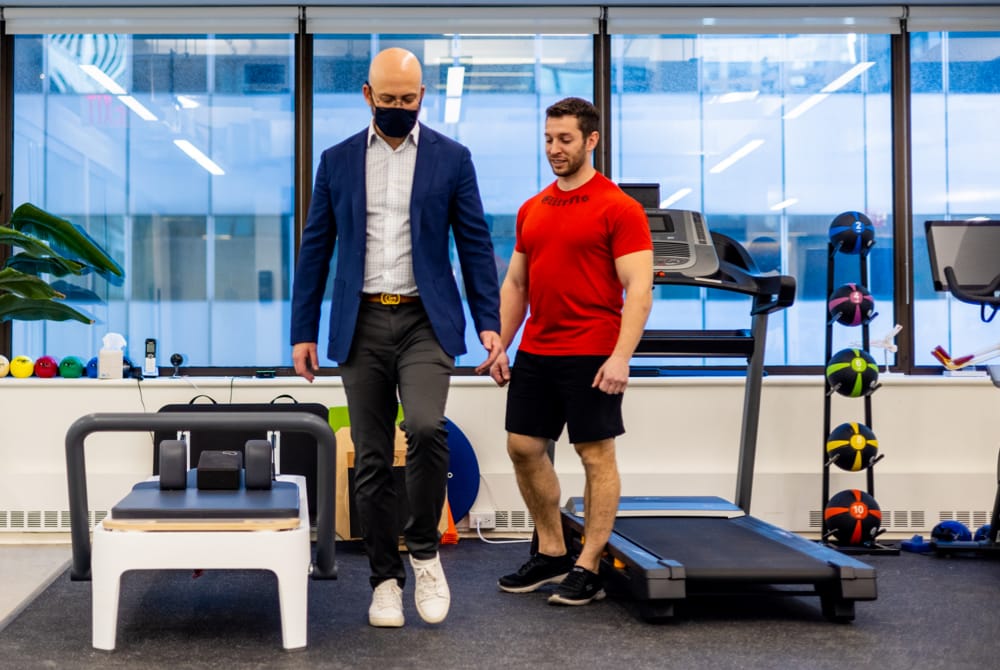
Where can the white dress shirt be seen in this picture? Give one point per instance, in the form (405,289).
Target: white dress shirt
(388,185)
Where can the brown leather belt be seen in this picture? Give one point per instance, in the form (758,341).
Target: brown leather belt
(389,298)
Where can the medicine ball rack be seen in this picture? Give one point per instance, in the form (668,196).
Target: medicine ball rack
(833,251)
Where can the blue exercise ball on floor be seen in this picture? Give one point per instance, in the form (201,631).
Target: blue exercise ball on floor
(951,531)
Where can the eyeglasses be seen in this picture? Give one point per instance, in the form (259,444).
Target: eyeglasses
(386,100)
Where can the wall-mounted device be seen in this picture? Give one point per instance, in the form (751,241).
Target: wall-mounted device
(149,368)
(681,243)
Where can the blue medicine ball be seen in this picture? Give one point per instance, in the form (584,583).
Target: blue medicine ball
(92,368)
(853,232)
(951,531)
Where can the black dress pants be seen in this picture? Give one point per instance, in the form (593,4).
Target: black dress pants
(395,350)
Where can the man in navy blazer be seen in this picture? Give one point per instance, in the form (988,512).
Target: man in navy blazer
(385,201)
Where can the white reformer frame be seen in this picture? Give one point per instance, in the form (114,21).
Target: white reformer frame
(286,553)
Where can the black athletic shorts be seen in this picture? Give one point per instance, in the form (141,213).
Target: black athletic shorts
(548,392)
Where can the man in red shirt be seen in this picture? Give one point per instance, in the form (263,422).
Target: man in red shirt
(580,244)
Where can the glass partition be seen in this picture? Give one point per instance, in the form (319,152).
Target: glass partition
(175,152)
(487,92)
(956,92)
(771,136)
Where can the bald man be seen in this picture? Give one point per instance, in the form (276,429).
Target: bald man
(385,200)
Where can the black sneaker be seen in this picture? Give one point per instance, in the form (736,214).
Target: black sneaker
(579,588)
(540,570)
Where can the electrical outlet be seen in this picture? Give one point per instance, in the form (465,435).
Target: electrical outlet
(482,519)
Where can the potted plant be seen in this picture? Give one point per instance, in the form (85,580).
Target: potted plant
(48,245)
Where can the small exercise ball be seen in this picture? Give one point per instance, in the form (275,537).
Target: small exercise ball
(92,368)
(4,366)
(22,367)
(46,367)
(851,305)
(852,446)
(853,517)
(852,232)
(71,367)
(852,372)
(951,531)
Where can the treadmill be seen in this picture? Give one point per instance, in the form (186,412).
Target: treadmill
(665,549)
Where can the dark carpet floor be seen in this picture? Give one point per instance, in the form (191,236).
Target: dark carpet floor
(931,613)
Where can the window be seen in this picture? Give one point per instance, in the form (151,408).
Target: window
(172,144)
(487,92)
(175,152)
(771,136)
(956,90)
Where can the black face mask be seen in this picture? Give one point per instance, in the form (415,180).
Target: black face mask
(396,121)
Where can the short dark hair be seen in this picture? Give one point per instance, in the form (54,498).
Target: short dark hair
(587,116)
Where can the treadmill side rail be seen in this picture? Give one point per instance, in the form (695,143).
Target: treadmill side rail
(646,576)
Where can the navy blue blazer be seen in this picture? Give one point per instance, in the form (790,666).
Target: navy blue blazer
(445,196)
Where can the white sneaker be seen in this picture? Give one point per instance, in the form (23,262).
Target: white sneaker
(432,595)
(386,610)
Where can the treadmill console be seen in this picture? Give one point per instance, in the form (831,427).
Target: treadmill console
(681,243)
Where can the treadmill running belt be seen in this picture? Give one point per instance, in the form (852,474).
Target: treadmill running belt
(724,549)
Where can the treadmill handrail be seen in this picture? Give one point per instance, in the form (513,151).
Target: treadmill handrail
(739,274)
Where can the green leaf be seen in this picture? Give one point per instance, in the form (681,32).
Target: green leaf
(74,293)
(53,265)
(15,307)
(71,240)
(30,245)
(26,286)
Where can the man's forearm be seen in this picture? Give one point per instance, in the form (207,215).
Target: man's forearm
(635,312)
(513,309)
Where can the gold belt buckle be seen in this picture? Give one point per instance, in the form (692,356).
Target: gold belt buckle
(389,298)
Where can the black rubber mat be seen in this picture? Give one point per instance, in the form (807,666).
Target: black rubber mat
(723,549)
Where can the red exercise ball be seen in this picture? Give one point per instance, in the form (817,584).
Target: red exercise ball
(46,367)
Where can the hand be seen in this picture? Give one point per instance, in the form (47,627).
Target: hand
(494,347)
(305,359)
(612,378)
(500,370)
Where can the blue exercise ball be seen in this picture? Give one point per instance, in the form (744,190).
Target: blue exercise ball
(951,531)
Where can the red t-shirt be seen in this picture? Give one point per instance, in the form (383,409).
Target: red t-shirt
(571,240)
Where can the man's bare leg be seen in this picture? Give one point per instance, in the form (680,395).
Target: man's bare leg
(601,494)
(539,485)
